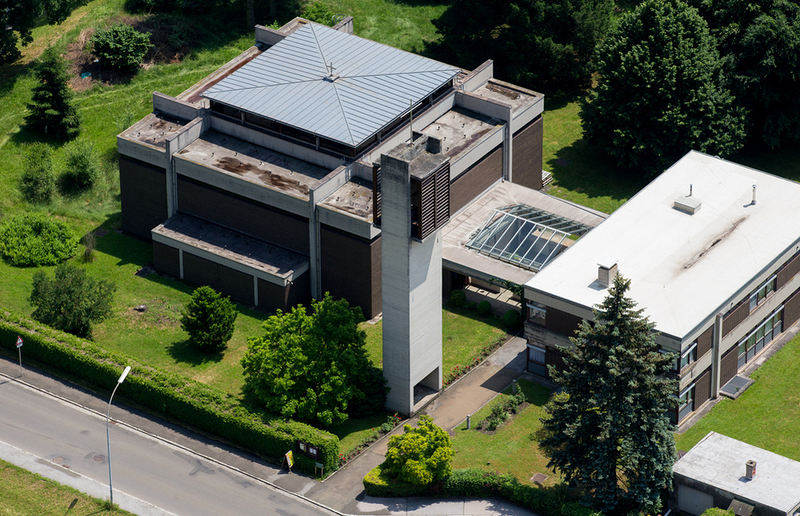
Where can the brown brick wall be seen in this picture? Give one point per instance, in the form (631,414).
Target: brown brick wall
(791,310)
(729,365)
(789,270)
(241,214)
(143,194)
(735,316)
(200,271)
(526,158)
(166,259)
(272,297)
(705,341)
(555,358)
(351,269)
(702,388)
(562,323)
(476,179)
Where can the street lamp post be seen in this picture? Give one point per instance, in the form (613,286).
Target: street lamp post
(108,438)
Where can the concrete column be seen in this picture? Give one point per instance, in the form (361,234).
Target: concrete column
(715,356)
(411,282)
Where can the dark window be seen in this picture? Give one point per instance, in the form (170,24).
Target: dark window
(537,313)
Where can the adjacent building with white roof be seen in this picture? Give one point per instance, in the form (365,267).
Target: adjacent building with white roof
(720,470)
(712,252)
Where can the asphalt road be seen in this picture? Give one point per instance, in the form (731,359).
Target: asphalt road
(174,479)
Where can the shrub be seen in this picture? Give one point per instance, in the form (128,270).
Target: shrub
(458,298)
(318,12)
(120,46)
(484,308)
(556,501)
(150,6)
(512,319)
(32,239)
(38,182)
(208,319)
(71,301)
(83,167)
(421,455)
(171,395)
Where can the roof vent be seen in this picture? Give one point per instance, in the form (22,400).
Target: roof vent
(750,469)
(607,271)
(687,203)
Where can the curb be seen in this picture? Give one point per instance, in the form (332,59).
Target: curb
(176,445)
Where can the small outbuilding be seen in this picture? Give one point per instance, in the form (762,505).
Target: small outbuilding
(723,472)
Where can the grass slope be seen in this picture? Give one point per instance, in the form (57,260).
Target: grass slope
(766,415)
(29,494)
(512,448)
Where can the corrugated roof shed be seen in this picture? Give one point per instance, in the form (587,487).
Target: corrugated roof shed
(332,84)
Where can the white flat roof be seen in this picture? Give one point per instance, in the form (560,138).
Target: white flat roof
(719,461)
(684,268)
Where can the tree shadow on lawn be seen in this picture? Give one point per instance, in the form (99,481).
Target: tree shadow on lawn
(586,169)
(185,351)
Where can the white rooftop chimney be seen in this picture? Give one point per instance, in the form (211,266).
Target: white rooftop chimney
(606,271)
(750,469)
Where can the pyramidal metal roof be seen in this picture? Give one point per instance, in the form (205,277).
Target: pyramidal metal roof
(332,84)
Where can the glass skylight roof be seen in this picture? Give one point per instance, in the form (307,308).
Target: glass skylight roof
(525,236)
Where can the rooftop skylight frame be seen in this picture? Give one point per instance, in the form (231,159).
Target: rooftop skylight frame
(509,230)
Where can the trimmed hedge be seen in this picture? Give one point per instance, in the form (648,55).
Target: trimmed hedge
(476,483)
(173,395)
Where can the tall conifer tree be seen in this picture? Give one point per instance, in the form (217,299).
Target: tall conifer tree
(51,112)
(609,427)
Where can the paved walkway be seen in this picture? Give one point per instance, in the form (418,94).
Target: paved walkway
(343,491)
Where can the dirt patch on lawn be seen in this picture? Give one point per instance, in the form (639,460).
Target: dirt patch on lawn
(170,39)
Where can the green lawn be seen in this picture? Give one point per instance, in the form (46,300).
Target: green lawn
(27,494)
(766,415)
(513,447)
(405,25)
(464,334)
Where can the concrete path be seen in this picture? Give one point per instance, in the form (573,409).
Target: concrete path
(343,491)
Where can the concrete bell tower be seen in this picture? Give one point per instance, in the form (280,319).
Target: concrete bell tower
(414,184)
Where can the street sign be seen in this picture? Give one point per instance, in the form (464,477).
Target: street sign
(19,341)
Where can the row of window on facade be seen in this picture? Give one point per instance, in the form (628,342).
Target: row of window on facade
(748,348)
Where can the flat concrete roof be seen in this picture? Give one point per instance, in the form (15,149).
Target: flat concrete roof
(506,93)
(253,163)
(684,268)
(719,461)
(154,129)
(459,129)
(246,250)
(457,257)
(353,198)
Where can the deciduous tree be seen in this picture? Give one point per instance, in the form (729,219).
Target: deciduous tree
(313,367)
(660,91)
(546,46)
(760,43)
(71,301)
(19,17)
(209,319)
(609,426)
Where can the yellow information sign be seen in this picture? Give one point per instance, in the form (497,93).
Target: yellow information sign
(289,458)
